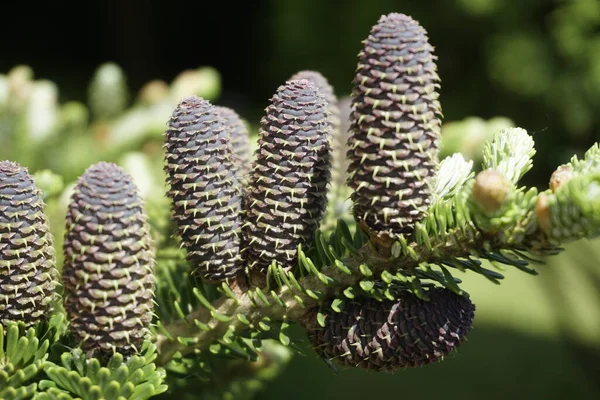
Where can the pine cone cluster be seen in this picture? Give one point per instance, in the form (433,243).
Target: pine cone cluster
(204,189)
(108,263)
(287,192)
(391,335)
(395,128)
(28,277)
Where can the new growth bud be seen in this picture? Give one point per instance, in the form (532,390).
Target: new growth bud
(490,191)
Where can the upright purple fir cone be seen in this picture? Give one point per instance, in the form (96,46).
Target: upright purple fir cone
(28,277)
(339,163)
(287,191)
(392,335)
(323,86)
(108,271)
(395,129)
(204,189)
(240,142)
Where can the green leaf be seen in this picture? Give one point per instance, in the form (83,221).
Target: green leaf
(367,285)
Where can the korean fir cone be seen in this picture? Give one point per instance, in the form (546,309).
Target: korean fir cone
(390,335)
(395,128)
(240,142)
(287,192)
(205,188)
(27,263)
(108,269)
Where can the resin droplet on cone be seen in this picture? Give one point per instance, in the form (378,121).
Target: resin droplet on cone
(395,130)
(27,262)
(391,335)
(108,269)
(287,190)
(204,189)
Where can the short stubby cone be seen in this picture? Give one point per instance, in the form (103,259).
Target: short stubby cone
(108,271)
(287,190)
(240,142)
(28,277)
(391,335)
(205,192)
(395,129)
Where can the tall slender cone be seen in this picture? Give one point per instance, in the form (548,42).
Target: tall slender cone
(204,189)
(287,191)
(391,335)
(28,277)
(395,131)
(108,270)
(240,142)
(339,137)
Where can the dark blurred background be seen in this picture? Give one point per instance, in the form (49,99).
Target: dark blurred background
(536,62)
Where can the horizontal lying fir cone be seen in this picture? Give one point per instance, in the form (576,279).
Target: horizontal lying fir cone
(27,263)
(287,190)
(204,189)
(108,269)
(395,130)
(390,335)
(240,142)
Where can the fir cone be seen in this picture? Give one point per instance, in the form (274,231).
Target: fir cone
(28,276)
(240,142)
(390,335)
(327,91)
(204,189)
(395,130)
(339,162)
(339,171)
(287,191)
(108,269)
